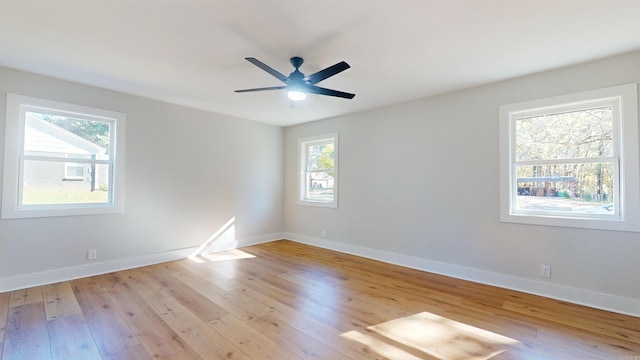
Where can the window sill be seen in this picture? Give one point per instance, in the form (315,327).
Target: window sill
(318,204)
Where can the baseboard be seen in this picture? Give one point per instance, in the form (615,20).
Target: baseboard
(255,240)
(96,268)
(627,306)
(103,267)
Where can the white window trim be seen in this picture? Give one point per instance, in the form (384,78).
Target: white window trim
(629,181)
(17,106)
(302,170)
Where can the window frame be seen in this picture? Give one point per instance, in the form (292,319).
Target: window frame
(626,217)
(14,157)
(303,144)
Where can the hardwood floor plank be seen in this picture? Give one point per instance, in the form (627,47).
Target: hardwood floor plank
(199,284)
(142,284)
(374,345)
(286,292)
(26,336)
(204,340)
(345,300)
(490,318)
(587,344)
(59,301)
(208,272)
(535,349)
(204,308)
(135,352)
(624,333)
(159,340)
(239,303)
(304,322)
(249,340)
(71,339)
(26,296)
(313,320)
(4,310)
(108,328)
(299,343)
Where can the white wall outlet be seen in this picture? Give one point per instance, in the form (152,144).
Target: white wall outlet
(324,233)
(91,254)
(545,271)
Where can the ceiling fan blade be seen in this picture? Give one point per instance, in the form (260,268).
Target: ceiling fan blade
(328,72)
(323,91)
(262,89)
(268,69)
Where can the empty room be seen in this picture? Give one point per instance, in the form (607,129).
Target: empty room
(319,179)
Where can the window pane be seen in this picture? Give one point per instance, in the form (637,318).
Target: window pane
(581,188)
(320,186)
(74,171)
(318,179)
(567,135)
(320,156)
(45,184)
(58,136)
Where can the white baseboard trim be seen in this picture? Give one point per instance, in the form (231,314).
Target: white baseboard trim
(94,268)
(104,267)
(255,240)
(623,305)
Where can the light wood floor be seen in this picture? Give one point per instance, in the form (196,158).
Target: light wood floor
(284,300)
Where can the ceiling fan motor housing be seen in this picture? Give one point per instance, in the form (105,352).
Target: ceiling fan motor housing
(296,61)
(296,76)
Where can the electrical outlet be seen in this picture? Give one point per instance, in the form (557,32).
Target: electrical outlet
(91,254)
(324,233)
(545,271)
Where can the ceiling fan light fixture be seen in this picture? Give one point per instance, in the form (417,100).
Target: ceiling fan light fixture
(296,95)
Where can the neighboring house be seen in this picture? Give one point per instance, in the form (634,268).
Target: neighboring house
(45,139)
(545,185)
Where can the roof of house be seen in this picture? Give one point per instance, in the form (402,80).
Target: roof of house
(43,136)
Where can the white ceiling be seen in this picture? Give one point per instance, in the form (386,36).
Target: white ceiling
(191,52)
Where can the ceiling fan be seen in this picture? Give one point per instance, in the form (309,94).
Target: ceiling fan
(297,84)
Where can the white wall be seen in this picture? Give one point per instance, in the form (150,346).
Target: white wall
(419,186)
(187,173)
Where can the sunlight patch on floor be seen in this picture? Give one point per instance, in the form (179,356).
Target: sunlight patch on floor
(436,336)
(234,254)
(380,347)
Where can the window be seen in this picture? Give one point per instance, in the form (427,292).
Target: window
(318,176)
(61,159)
(74,171)
(572,160)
